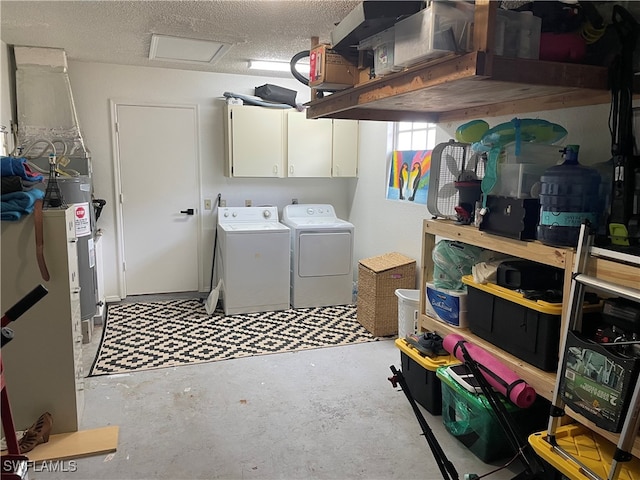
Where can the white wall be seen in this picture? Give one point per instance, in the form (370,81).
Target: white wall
(388,225)
(381,225)
(5,93)
(94,85)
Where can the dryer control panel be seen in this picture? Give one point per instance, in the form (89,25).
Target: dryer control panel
(309,210)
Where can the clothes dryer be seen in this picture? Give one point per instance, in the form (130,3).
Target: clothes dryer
(253,259)
(321,256)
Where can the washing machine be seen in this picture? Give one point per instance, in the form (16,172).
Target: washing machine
(321,256)
(253,260)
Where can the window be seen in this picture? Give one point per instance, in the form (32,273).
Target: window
(414,136)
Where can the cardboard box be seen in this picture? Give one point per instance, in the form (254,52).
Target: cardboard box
(331,71)
(378,279)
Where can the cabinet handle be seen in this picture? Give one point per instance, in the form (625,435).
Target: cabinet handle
(75,290)
(291,169)
(275,169)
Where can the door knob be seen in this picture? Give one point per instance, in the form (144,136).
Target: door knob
(188,211)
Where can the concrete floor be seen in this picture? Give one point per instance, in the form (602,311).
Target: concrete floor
(328,413)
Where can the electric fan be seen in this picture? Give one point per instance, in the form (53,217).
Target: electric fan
(454,170)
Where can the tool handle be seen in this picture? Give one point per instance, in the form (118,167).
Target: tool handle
(24,304)
(6,336)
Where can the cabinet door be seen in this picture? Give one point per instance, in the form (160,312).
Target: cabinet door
(255,141)
(345,148)
(308,146)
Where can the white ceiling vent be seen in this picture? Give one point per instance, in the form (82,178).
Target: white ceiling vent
(188,50)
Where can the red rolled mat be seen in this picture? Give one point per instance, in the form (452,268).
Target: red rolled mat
(499,375)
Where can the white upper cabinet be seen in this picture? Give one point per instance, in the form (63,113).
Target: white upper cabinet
(309,146)
(255,141)
(269,142)
(345,148)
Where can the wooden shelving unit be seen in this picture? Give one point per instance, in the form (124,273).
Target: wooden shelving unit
(466,87)
(543,382)
(478,84)
(469,86)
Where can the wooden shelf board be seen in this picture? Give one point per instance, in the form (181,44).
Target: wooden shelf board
(543,382)
(616,272)
(471,85)
(531,250)
(83,443)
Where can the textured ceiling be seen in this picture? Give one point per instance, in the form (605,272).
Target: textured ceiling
(120,32)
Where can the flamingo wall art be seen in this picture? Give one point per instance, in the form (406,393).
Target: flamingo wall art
(409,175)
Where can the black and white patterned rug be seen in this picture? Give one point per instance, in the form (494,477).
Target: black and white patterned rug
(144,336)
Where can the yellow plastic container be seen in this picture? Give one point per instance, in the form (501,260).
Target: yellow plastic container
(514,296)
(589,448)
(420,374)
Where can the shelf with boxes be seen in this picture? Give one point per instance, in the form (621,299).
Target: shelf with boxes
(561,257)
(467,85)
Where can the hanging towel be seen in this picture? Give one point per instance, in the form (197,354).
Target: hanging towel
(14,205)
(18,166)
(10,184)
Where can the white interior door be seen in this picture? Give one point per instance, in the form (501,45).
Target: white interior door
(158,164)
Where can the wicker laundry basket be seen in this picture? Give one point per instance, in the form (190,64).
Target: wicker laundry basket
(378,279)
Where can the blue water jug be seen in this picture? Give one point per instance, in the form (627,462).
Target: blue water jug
(569,195)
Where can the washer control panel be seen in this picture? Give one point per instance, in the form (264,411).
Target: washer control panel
(247,214)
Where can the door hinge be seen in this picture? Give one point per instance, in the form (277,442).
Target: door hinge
(117,127)
(124,266)
(121,198)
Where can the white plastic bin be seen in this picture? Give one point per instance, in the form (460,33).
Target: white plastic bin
(408,307)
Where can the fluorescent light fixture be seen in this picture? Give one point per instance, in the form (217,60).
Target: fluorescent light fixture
(273,66)
(187,50)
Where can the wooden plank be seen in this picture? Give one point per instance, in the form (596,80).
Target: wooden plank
(412,80)
(555,74)
(419,78)
(385,115)
(484,32)
(575,98)
(542,382)
(616,272)
(78,444)
(428,244)
(472,85)
(530,250)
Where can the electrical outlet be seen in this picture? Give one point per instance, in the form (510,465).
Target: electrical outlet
(247,203)
(207,204)
(223,203)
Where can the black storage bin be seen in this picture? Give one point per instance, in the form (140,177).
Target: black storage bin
(512,217)
(528,329)
(420,374)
